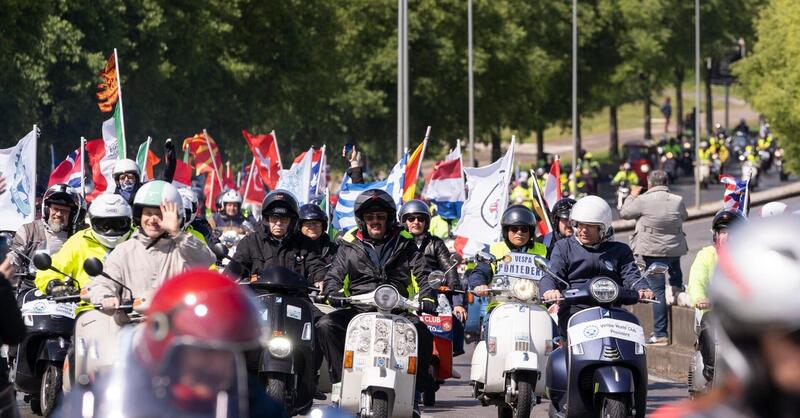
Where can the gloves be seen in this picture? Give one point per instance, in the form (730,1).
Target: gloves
(336,303)
(59,288)
(428,306)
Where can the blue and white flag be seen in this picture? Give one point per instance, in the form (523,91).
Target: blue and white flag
(18,166)
(344,216)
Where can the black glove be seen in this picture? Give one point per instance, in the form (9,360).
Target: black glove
(336,302)
(59,288)
(428,306)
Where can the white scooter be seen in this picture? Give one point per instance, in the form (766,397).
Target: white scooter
(697,383)
(509,363)
(749,170)
(380,356)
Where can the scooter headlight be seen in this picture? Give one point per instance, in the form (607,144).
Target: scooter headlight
(524,289)
(645,168)
(386,297)
(280,347)
(604,290)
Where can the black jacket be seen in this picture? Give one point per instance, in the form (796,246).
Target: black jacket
(434,247)
(12,329)
(258,250)
(324,249)
(357,269)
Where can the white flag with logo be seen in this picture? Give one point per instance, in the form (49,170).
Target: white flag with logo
(298,178)
(487,198)
(18,165)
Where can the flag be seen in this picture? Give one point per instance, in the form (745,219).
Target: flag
(110,98)
(102,155)
(211,190)
(412,171)
(205,151)
(227,179)
(487,199)
(297,180)
(736,195)
(18,165)
(343,215)
(552,184)
(253,187)
(146,159)
(183,174)
(68,171)
(114,134)
(317,170)
(265,151)
(445,187)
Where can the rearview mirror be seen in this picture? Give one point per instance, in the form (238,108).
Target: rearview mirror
(435,279)
(656,268)
(541,262)
(93,266)
(485,257)
(455,258)
(42,261)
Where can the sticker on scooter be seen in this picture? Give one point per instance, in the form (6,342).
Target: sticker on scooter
(519,265)
(294,312)
(45,307)
(381,361)
(605,328)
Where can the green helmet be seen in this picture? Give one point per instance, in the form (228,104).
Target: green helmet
(151,194)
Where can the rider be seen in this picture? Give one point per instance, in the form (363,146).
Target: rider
(414,216)
(157,250)
(230,217)
(591,253)
(314,226)
(110,219)
(276,241)
(704,153)
(376,252)
(625,173)
(61,217)
(192,224)
(127,178)
(754,295)
(699,278)
(521,194)
(189,358)
(562,227)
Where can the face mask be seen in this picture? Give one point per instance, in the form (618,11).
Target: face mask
(127,185)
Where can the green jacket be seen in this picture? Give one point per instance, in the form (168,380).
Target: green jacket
(440,227)
(631,176)
(700,273)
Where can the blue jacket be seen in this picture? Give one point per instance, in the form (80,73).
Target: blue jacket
(578,264)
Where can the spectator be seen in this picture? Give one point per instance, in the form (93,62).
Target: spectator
(666,111)
(658,237)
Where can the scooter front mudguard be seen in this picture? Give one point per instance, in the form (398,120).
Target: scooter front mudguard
(54,350)
(380,379)
(613,379)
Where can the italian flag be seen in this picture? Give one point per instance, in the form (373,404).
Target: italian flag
(114,134)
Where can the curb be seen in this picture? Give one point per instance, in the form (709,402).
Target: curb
(711,208)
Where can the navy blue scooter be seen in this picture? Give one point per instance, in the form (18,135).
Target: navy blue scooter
(603,367)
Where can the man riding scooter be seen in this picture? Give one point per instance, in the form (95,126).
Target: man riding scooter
(230,218)
(127,178)
(374,253)
(314,226)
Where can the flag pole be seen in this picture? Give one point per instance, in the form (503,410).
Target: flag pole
(460,160)
(36,132)
(52,158)
(542,203)
(249,178)
(213,159)
(322,171)
(277,150)
(121,113)
(83,168)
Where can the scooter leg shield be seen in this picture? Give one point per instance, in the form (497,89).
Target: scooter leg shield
(613,379)
(556,377)
(477,371)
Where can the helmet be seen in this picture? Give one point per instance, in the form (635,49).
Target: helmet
(593,210)
(415,206)
(540,172)
(151,194)
(373,200)
(588,156)
(279,202)
(703,144)
(773,208)
(518,215)
(110,217)
(725,219)
(231,196)
(562,209)
(62,194)
(312,212)
(189,201)
(126,165)
(197,309)
(626,166)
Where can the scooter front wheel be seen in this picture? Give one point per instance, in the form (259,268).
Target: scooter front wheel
(614,405)
(276,388)
(51,387)
(525,400)
(380,405)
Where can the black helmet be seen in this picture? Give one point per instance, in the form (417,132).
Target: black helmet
(373,200)
(415,206)
(279,202)
(62,194)
(725,219)
(312,212)
(562,209)
(518,215)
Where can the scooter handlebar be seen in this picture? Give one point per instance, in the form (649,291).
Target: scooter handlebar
(66,299)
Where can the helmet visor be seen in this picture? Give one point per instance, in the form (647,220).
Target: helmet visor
(114,227)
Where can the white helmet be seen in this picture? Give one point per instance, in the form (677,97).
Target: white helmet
(189,200)
(231,196)
(593,210)
(125,165)
(773,208)
(110,218)
(151,194)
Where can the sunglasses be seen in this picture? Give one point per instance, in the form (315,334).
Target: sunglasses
(515,229)
(416,218)
(370,217)
(111,226)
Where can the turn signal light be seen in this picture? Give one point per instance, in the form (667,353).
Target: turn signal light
(348,359)
(412,365)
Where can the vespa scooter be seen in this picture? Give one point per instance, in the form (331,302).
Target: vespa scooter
(603,368)
(508,364)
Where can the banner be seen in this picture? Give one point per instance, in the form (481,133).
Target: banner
(487,199)
(18,165)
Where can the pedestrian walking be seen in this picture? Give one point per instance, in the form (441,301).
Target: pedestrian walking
(658,237)
(666,111)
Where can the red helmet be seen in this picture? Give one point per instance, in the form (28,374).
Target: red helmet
(198,308)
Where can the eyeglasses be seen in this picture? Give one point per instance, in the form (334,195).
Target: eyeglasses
(416,218)
(278,219)
(127,176)
(379,216)
(514,229)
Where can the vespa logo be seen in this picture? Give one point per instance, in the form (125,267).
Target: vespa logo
(591,331)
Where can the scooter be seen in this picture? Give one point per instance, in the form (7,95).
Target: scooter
(704,172)
(623,191)
(783,175)
(716,167)
(749,170)
(507,367)
(380,356)
(603,368)
(37,367)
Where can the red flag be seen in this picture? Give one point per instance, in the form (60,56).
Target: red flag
(68,171)
(152,160)
(227,180)
(252,188)
(211,190)
(198,146)
(183,175)
(108,92)
(95,151)
(265,151)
